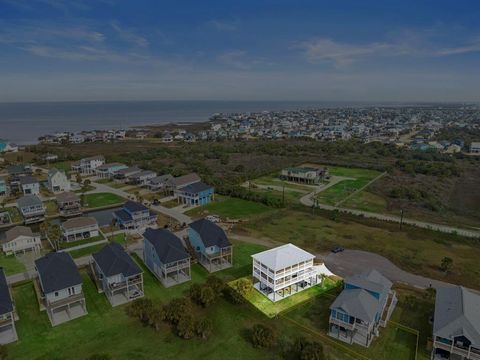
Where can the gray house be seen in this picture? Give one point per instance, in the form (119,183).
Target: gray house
(69,204)
(166,257)
(59,287)
(117,275)
(366,303)
(456,325)
(30,185)
(31,208)
(8,332)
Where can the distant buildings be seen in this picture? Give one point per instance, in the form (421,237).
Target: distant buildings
(305,175)
(87,166)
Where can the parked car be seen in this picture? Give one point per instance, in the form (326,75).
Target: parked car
(213,218)
(338,249)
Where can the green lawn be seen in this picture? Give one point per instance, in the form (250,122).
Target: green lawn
(276,181)
(69,244)
(62,165)
(109,330)
(52,207)
(272,309)
(394,342)
(366,201)
(11,265)
(340,191)
(14,213)
(102,199)
(416,250)
(233,208)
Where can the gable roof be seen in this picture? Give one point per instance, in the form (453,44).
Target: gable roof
(6,303)
(210,233)
(457,312)
(114,260)
(196,187)
(57,271)
(28,179)
(283,256)
(358,303)
(67,196)
(185,180)
(128,170)
(29,200)
(161,179)
(79,222)
(370,280)
(55,171)
(134,206)
(17,231)
(169,248)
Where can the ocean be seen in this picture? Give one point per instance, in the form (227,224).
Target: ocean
(23,123)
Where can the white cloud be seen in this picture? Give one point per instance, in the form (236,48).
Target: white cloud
(130,36)
(223,25)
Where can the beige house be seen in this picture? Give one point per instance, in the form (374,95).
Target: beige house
(80,228)
(21,239)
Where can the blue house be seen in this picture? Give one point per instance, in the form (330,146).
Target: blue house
(134,215)
(366,303)
(211,245)
(165,256)
(197,193)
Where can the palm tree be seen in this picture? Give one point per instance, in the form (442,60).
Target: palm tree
(55,234)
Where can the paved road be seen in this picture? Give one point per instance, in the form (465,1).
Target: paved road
(307,200)
(351,262)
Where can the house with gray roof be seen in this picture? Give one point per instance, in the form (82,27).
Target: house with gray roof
(31,208)
(456,324)
(181,181)
(365,304)
(142,178)
(304,175)
(59,287)
(166,257)
(195,194)
(283,271)
(8,333)
(159,183)
(123,174)
(20,239)
(29,185)
(107,171)
(211,245)
(80,228)
(87,166)
(69,204)
(117,274)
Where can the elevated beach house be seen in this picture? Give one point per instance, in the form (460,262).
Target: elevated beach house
(304,175)
(79,228)
(283,271)
(211,245)
(29,185)
(142,178)
(123,174)
(159,183)
(8,333)
(117,275)
(108,171)
(87,166)
(31,208)
(166,257)
(59,287)
(134,215)
(57,181)
(181,181)
(20,239)
(69,204)
(456,324)
(366,303)
(194,194)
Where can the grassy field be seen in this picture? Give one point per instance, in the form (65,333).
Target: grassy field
(366,201)
(271,309)
(14,213)
(69,244)
(61,165)
(107,329)
(102,199)
(233,208)
(11,264)
(52,207)
(274,180)
(396,342)
(340,191)
(416,250)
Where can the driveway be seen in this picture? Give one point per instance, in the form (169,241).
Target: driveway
(351,262)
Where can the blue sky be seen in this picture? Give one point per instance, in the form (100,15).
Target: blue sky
(61,50)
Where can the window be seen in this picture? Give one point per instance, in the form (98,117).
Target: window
(56,293)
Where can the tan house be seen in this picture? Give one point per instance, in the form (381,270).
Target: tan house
(21,239)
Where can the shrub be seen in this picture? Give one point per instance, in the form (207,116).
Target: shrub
(307,350)
(203,328)
(216,284)
(233,296)
(140,309)
(243,286)
(186,326)
(262,336)
(176,309)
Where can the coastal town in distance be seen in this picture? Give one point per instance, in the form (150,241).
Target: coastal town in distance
(211,180)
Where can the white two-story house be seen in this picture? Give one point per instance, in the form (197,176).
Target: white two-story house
(20,239)
(87,166)
(58,181)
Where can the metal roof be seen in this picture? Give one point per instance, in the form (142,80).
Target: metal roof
(370,280)
(457,312)
(283,256)
(358,303)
